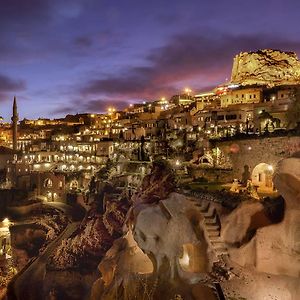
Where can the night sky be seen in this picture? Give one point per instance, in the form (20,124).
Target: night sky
(68,56)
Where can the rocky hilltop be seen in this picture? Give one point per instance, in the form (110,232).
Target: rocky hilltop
(266,67)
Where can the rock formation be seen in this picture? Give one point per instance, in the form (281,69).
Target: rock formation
(258,244)
(165,255)
(93,238)
(175,246)
(266,67)
(165,252)
(162,232)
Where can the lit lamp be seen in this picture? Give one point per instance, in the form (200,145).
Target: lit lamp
(188,91)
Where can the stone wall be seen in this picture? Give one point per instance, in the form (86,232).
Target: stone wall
(252,152)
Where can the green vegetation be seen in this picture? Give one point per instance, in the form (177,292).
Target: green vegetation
(209,186)
(293,113)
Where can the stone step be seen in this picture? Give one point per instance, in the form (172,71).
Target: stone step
(209,221)
(209,215)
(221,251)
(205,208)
(215,238)
(213,234)
(212,227)
(218,245)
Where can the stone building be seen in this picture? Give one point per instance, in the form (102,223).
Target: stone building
(259,156)
(242,96)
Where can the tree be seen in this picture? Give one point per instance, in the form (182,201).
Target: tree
(293,112)
(142,149)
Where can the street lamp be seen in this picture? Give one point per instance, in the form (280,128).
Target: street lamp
(188,91)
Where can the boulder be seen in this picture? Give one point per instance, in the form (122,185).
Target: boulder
(167,231)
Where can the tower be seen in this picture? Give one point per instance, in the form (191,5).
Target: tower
(15,119)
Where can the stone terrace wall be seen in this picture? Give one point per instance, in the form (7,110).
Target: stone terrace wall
(252,152)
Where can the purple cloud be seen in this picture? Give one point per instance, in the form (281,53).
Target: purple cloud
(83,41)
(10,85)
(195,57)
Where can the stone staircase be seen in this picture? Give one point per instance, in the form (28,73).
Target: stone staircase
(212,227)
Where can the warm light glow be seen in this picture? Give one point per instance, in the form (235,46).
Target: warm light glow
(233,86)
(6,222)
(184,260)
(270,168)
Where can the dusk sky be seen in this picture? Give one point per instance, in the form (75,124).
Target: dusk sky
(69,56)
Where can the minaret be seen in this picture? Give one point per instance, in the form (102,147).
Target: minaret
(15,119)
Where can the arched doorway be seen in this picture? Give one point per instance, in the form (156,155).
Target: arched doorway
(74,185)
(48,183)
(262,177)
(194,258)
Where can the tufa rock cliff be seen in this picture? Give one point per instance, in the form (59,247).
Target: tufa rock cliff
(266,67)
